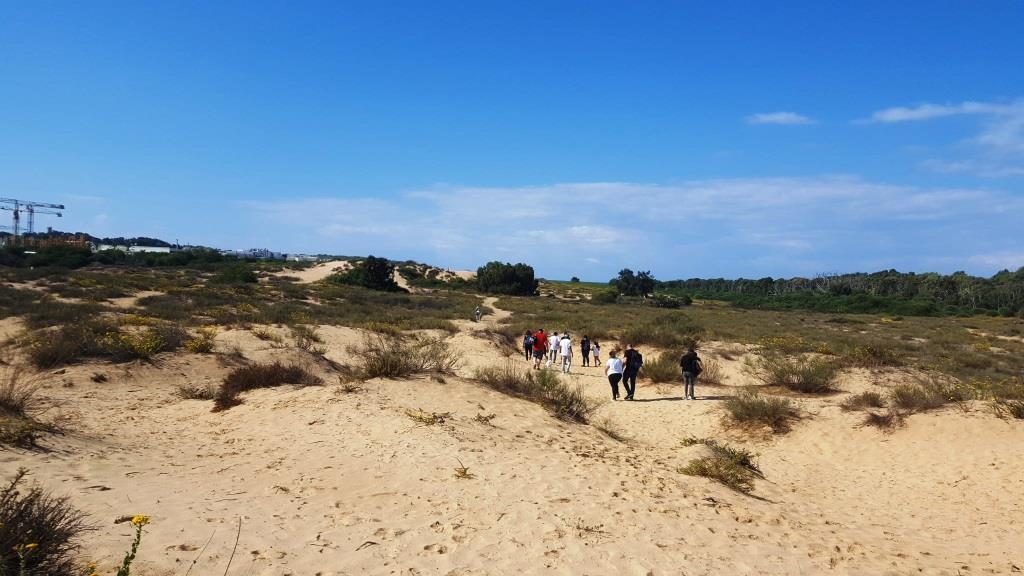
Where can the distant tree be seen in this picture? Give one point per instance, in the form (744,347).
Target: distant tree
(373,273)
(575,279)
(504,278)
(629,283)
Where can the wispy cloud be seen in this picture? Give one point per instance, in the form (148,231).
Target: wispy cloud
(727,227)
(995,151)
(783,118)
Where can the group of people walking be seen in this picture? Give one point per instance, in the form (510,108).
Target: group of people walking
(542,349)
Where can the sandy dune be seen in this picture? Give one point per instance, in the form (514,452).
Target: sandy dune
(328,482)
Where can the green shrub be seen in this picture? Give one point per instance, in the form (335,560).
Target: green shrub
(373,273)
(504,278)
(543,387)
(260,376)
(604,297)
(235,274)
(31,516)
(751,409)
(805,375)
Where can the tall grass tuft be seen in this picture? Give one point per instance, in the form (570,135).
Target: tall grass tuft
(863,401)
(543,387)
(925,395)
(260,376)
(386,357)
(38,532)
(19,405)
(751,409)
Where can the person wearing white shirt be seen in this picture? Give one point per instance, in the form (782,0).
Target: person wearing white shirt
(614,372)
(565,349)
(553,348)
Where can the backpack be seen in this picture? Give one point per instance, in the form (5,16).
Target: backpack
(528,341)
(698,366)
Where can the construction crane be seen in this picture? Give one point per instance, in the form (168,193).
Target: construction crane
(32,208)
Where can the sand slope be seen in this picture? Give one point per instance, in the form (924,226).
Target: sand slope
(329,482)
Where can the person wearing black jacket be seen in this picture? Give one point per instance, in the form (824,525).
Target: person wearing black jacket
(634,361)
(585,350)
(692,367)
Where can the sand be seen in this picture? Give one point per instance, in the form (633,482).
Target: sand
(328,481)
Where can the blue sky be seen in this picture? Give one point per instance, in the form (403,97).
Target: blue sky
(689,138)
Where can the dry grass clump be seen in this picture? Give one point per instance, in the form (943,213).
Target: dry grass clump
(751,409)
(926,395)
(805,375)
(888,420)
(307,338)
(543,387)
(260,376)
(197,392)
(38,532)
(384,357)
(1009,408)
(664,368)
(712,373)
(735,468)
(863,401)
(19,406)
(428,418)
(611,430)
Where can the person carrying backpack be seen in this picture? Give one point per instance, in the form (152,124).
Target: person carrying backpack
(528,345)
(692,367)
(540,347)
(634,361)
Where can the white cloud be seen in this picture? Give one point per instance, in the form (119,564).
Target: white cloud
(995,151)
(754,226)
(784,118)
(1002,260)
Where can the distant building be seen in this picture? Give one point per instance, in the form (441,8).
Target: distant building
(132,249)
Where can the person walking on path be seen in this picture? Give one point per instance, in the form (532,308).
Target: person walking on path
(540,347)
(596,349)
(634,361)
(528,345)
(614,372)
(692,367)
(585,350)
(565,350)
(553,348)
(477,313)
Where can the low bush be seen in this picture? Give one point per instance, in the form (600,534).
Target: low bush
(260,376)
(543,387)
(863,401)
(384,357)
(17,392)
(874,355)
(101,338)
(664,368)
(735,468)
(805,375)
(751,409)
(884,420)
(203,341)
(925,395)
(38,532)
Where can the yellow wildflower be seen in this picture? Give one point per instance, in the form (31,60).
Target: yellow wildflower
(140,520)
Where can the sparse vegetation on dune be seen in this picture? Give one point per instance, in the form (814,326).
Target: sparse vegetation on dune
(544,387)
(392,357)
(813,375)
(752,409)
(257,376)
(664,368)
(102,338)
(862,401)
